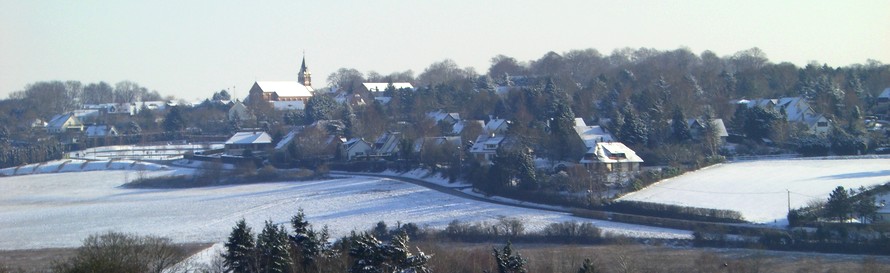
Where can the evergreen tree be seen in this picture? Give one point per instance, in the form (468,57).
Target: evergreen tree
(839,204)
(866,208)
(679,128)
(174,121)
(240,255)
(272,248)
(507,262)
(348,121)
(633,130)
(320,107)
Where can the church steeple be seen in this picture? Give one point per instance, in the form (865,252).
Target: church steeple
(305,77)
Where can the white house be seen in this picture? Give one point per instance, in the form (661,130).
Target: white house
(486,147)
(239,112)
(795,109)
(357,148)
(254,141)
(388,144)
(611,157)
(63,123)
(697,127)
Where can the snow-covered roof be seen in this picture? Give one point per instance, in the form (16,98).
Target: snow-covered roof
(381,86)
(885,94)
(717,124)
(388,143)
(495,125)
(592,134)
(285,88)
(250,138)
(440,115)
(720,127)
(356,141)
(59,120)
(612,152)
(484,144)
(99,130)
(86,113)
(458,127)
(796,109)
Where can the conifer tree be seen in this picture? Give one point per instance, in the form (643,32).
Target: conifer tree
(679,128)
(272,248)
(240,255)
(507,262)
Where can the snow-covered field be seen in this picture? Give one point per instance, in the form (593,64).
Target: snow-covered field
(757,189)
(60,209)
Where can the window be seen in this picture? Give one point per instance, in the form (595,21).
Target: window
(822,124)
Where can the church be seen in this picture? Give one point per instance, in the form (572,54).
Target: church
(286,95)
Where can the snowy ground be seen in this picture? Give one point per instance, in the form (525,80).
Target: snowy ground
(60,209)
(757,189)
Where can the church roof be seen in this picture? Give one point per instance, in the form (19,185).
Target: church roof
(285,88)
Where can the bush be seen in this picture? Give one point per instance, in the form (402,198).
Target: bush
(674,211)
(118,252)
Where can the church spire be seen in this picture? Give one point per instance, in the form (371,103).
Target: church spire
(305,77)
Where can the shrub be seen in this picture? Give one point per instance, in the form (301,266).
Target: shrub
(119,252)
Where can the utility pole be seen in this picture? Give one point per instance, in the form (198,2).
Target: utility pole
(789,200)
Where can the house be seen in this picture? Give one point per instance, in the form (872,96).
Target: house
(591,135)
(64,123)
(442,116)
(884,97)
(388,144)
(239,112)
(611,157)
(496,126)
(486,147)
(98,131)
(697,129)
(795,109)
(458,128)
(356,148)
(253,141)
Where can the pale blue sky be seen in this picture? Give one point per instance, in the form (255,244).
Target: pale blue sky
(191,49)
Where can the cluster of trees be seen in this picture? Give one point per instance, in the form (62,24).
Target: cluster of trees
(842,206)
(17,155)
(305,250)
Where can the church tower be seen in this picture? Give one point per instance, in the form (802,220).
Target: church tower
(304,78)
